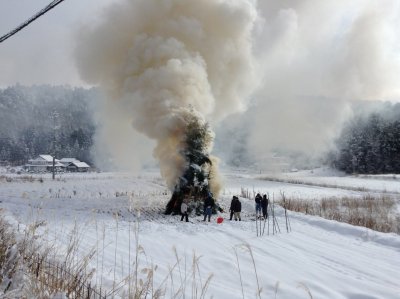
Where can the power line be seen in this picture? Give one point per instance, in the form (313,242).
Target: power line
(30,20)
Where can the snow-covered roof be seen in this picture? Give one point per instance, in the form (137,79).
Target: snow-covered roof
(47,158)
(80,164)
(68,160)
(40,161)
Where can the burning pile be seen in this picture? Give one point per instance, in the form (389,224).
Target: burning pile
(169,67)
(194,184)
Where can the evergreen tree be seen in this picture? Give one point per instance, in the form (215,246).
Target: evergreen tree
(371,144)
(195,177)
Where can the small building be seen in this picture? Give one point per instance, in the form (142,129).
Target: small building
(39,164)
(44,163)
(58,166)
(78,166)
(67,161)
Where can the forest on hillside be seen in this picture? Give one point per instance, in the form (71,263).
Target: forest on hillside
(32,118)
(370,141)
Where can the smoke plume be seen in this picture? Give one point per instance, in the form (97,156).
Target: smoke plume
(318,57)
(165,64)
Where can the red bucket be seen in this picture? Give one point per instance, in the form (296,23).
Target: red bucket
(220,220)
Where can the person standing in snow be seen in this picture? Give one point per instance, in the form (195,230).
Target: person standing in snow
(184,211)
(237,209)
(232,208)
(264,206)
(208,206)
(258,205)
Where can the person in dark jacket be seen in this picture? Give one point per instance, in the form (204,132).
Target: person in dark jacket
(258,199)
(232,208)
(208,206)
(264,206)
(238,209)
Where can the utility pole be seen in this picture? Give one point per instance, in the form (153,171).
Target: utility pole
(55,115)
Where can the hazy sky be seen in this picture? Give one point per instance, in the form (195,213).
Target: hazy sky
(312,57)
(42,52)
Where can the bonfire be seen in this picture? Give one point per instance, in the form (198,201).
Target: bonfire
(194,183)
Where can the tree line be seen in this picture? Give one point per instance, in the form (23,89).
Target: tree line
(31,118)
(370,141)
(40,119)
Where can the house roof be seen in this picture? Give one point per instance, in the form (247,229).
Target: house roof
(79,164)
(47,158)
(68,160)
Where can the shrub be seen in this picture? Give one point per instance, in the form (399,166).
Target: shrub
(374,212)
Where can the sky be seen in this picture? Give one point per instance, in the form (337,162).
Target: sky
(42,53)
(312,58)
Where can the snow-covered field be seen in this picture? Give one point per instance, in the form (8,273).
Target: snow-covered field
(324,258)
(328,177)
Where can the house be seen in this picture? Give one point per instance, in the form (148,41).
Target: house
(67,161)
(43,163)
(59,166)
(77,166)
(74,165)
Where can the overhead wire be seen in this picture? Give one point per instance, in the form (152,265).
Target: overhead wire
(30,20)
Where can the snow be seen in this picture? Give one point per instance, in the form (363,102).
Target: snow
(80,164)
(326,258)
(327,177)
(47,158)
(68,160)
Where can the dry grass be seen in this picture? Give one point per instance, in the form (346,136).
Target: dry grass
(245,193)
(140,282)
(30,269)
(374,212)
(8,259)
(20,178)
(246,248)
(37,270)
(48,276)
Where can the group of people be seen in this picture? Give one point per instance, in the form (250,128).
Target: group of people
(262,205)
(209,204)
(235,208)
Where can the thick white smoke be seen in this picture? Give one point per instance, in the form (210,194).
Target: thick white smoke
(318,56)
(163,62)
